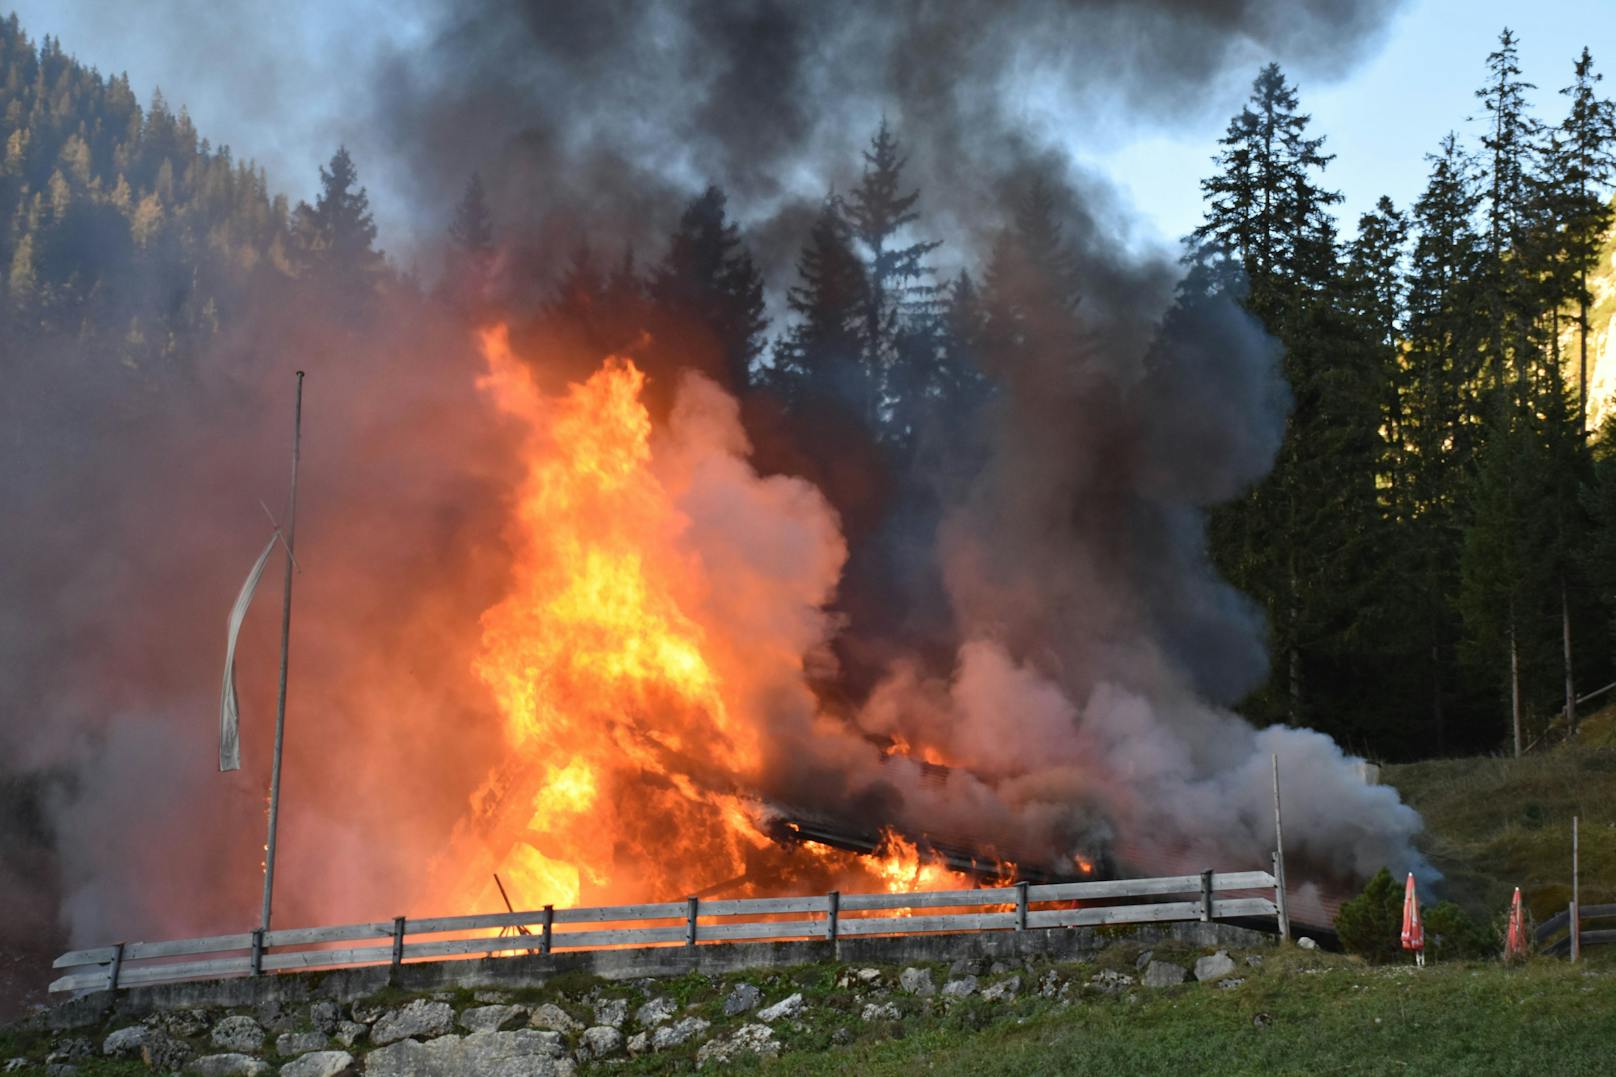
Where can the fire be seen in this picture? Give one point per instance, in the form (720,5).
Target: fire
(631,730)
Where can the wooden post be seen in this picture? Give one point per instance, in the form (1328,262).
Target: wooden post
(258,951)
(1021,906)
(1576,904)
(398,943)
(833,908)
(286,639)
(549,925)
(117,968)
(1279,861)
(1206,896)
(690,921)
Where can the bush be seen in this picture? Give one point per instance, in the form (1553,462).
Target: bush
(1451,934)
(1371,924)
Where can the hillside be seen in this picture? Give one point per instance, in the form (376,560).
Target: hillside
(1494,823)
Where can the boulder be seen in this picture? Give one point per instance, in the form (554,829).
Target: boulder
(278,1016)
(742,997)
(320,1064)
(964,987)
(1143,960)
(681,1031)
(288,1044)
(418,1018)
(1306,943)
(654,1012)
(349,1033)
(229,1064)
(968,966)
(915,981)
(1163,974)
(1215,967)
(238,1035)
(639,1043)
(611,1011)
(1230,983)
(868,976)
(1254,960)
(165,1053)
(550,1016)
(491,1018)
(880,1011)
(790,1006)
(182,1023)
(521,1053)
(1007,988)
(366,1013)
(126,1042)
(753,1039)
(601,1041)
(15,1064)
(324,1015)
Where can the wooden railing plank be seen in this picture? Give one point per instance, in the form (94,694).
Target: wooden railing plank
(762,906)
(929,899)
(914,925)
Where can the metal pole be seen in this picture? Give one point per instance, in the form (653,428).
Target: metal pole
(1576,905)
(286,639)
(1279,859)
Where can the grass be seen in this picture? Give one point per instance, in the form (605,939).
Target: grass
(1495,823)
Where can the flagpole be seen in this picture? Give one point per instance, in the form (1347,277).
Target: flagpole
(286,638)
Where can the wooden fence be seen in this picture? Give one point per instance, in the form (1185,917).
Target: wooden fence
(1561,922)
(691,922)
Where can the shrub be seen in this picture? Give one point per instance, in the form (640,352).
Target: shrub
(1451,934)
(1371,924)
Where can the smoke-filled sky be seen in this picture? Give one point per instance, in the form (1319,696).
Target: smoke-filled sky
(285,83)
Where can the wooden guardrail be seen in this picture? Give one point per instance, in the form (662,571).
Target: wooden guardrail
(691,922)
(1561,921)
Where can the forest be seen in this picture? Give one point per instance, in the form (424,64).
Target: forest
(1433,552)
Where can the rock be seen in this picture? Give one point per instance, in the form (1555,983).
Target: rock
(418,1018)
(229,1064)
(126,1042)
(913,981)
(366,1013)
(1215,967)
(1163,974)
(678,1032)
(1231,982)
(320,1064)
(753,1039)
(880,1011)
(999,968)
(1261,1020)
(654,1012)
(742,997)
(491,997)
(1306,943)
(182,1023)
(964,987)
(967,966)
(1050,985)
(524,1052)
(549,1015)
(639,1043)
(1254,960)
(491,1018)
(324,1015)
(349,1033)
(602,1041)
(1110,981)
(790,1006)
(277,1016)
(842,1036)
(164,1053)
(1144,959)
(238,1035)
(71,1049)
(611,1011)
(300,1043)
(15,1064)
(1007,988)
(868,976)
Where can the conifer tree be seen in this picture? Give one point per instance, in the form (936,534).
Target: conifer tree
(337,232)
(822,354)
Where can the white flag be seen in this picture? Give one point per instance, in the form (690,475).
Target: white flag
(229,710)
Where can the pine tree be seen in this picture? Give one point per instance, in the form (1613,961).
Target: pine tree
(337,232)
(822,354)
(470,258)
(899,301)
(709,284)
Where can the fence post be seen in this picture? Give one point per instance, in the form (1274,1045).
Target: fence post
(398,946)
(117,968)
(833,908)
(690,921)
(1576,903)
(258,951)
(1280,915)
(548,925)
(1206,896)
(1021,906)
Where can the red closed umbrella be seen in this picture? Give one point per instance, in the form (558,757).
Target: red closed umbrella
(1515,940)
(1413,930)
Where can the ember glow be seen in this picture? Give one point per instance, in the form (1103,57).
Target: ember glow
(627,664)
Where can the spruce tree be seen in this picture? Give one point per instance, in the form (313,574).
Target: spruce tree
(337,232)
(823,353)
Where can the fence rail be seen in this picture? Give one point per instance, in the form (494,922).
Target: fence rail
(1561,922)
(691,922)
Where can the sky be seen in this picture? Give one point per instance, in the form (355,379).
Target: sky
(283,103)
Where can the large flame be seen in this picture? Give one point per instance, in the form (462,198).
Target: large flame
(631,726)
